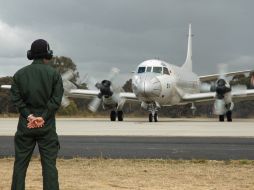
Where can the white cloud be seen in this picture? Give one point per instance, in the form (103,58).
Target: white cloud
(14,43)
(14,40)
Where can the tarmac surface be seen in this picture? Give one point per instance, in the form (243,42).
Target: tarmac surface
(137,138)
(166,127)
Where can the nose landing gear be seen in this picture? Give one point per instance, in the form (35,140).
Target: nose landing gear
(153,109)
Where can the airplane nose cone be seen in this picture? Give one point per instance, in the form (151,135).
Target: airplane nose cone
(146,86)
(152,87)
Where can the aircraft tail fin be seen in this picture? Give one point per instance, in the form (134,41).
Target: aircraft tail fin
(188,62)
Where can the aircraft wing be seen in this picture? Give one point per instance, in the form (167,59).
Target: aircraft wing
(209,96)
(212,77)
(128,96)
(81,93)
(75,93)
(6,86)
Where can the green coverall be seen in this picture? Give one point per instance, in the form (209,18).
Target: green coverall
(37,89)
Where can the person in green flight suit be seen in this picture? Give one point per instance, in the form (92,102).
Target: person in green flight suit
(37,92)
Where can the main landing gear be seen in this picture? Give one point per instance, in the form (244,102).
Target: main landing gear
(153,117)
(118,115)
(228,115)
(229,107)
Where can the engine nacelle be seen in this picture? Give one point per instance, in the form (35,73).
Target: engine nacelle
(219,107)
(108,103)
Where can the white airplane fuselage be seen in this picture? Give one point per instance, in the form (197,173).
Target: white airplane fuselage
(163,83)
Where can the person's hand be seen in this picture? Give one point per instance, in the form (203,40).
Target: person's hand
(35,122)
(30,117)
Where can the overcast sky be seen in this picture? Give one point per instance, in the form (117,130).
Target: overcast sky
(100,34)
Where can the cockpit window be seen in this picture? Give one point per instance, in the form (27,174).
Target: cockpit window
(165,71)
(141,69)
(148,69)
(157,69)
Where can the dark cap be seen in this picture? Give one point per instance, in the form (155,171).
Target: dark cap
(39,49)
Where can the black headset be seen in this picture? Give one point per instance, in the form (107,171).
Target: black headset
(47,55)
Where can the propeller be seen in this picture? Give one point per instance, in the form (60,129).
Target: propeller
(65,101)
(109,91)
(223,91)
(90,82)
(222,87)
(81,83)
(68,85)
(68,75)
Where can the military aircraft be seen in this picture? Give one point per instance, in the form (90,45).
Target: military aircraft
(156,83)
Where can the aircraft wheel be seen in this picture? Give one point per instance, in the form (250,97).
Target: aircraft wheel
(113,116)
(229,116)
(221,118)
(120,115)
(155,117)
(150,117)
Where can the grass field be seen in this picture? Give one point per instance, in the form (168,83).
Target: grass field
(108,174)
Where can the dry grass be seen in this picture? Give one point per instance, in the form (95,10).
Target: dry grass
(101,174)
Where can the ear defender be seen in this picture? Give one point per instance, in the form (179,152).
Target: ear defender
(29,55)
(49,55)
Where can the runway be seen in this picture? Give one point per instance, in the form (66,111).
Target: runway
(136,138)
(166,127)
(211,148)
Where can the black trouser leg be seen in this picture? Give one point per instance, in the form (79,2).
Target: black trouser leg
(48,147)
(24,147)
